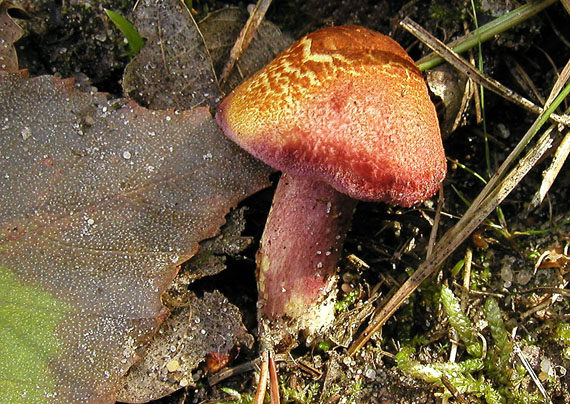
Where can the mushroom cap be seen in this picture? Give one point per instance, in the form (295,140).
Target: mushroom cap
(345,105)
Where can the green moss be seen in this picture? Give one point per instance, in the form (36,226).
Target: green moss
(480,278)
(348,300)
(461,323)
(496,377)
(562,334)
(499,357)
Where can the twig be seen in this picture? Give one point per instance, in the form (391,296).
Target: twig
(449,386)
(436,220)
(263,376)
(245,37)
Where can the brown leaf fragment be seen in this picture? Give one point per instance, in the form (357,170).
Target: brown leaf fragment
(221,29)
(173,69)
(100,201)
(216,361)
(210,259)
(207,328)
(454,91)
(555,258)
(10,32)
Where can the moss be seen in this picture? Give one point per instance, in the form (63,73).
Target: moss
(461,323)
(494,377)
(562,334)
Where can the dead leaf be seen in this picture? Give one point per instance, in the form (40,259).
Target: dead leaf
(221,29)
(209,260)
(173,69)
(554,258)
(99,202)
(454,91)
(142,382)
(194,334)
(216,361)
(10,32)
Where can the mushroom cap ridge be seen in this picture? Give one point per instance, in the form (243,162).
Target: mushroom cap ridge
(345,105)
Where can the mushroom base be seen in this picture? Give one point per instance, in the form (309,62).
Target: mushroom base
(300,247)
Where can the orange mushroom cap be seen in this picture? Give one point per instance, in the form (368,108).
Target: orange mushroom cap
(345,105)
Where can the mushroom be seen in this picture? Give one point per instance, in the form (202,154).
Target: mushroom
(345,114)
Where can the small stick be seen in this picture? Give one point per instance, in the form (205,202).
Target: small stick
(529,369)
(236,370)
(273,382)
(245,37)
(447,383)
(262,385)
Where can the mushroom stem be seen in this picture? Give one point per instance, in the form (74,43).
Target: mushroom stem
(300,247)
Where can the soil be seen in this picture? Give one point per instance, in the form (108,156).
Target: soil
(75,39)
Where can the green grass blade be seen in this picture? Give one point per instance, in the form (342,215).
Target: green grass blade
(134,39)
(488,31)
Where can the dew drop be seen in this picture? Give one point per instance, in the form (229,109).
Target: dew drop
(26,133)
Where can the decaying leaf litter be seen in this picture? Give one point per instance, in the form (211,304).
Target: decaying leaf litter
(98,211)
(399,240)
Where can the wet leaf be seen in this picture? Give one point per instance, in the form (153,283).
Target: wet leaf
(211,258)
(148,380)
(208,261)
(99,202)
(10,32)
(206,327)
(173,69)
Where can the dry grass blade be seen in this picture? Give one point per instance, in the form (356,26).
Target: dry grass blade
(487,31)
(496,190)
(530,371)
(550,174)
(273,380)
(566,4)
(470,71)
(560,82)
(561,154)
(245,37)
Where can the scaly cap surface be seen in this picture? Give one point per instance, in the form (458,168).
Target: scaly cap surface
(345,105)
